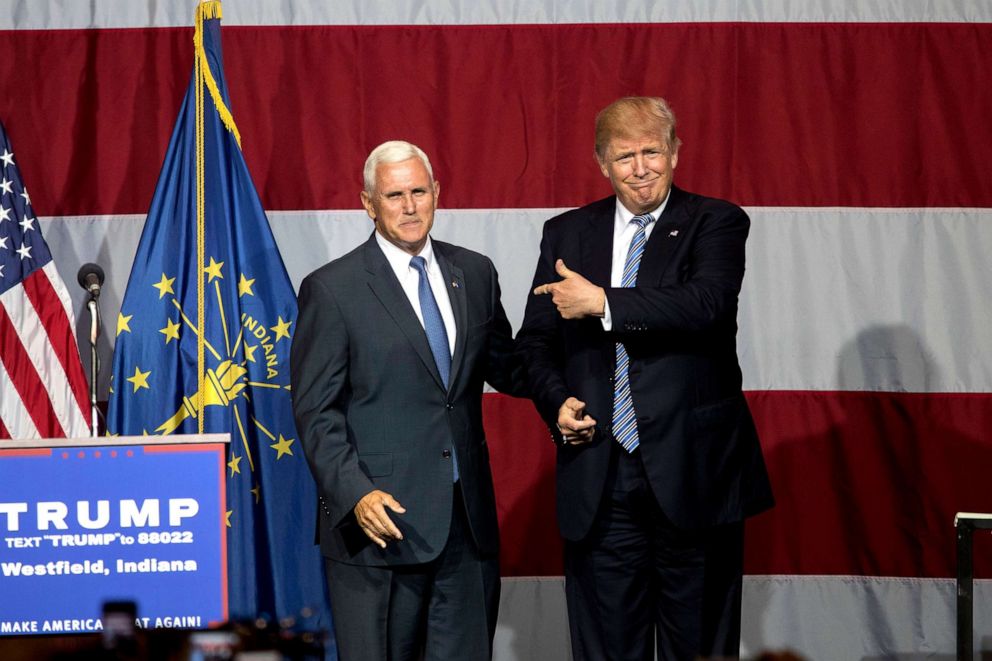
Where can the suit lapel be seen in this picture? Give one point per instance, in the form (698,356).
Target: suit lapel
(597,261)
(454,280)
(387,289)
(664,239)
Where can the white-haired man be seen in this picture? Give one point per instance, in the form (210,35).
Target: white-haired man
(393,343)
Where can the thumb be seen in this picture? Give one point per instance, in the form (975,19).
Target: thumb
(563,270)
(393,504)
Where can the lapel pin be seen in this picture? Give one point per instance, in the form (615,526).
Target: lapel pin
(454,284)
(673,233)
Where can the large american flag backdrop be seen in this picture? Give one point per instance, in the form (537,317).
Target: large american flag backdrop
(857,135)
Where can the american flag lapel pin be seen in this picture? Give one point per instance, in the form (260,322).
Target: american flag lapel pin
(454,284)
(673,233)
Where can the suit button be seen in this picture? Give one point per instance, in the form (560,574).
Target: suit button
(446,453)
(449,406)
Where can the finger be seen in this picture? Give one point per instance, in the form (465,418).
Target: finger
(581,424)
(562,270)
(393,504)
(385,527)
(542,289)
(380,542)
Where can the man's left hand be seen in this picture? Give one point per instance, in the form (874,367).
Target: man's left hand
(574,296)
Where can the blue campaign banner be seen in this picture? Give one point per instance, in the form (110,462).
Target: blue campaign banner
(80,526)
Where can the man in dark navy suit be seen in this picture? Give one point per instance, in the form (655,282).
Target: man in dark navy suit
(393,343)
(629,338)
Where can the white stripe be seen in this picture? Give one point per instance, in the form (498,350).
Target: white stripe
(819,617)
(833,298)
(12,410)
(867,299)
(50,14)
(58,285)
(34,337)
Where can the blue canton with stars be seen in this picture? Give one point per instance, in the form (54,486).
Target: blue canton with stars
(22,248)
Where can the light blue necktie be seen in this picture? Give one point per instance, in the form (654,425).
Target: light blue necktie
(437,334)
(624,416)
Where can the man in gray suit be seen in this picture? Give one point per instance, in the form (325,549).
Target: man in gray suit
(393,343)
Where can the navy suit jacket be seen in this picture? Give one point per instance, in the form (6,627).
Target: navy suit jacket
(373,413)
(679,325)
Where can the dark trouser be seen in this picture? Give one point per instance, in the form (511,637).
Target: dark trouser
(443,610)
(637,577)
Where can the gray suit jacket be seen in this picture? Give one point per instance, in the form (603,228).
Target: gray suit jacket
(371,409)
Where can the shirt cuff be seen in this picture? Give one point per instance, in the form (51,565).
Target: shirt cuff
(607,319)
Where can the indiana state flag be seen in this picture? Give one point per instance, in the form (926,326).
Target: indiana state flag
(202,346)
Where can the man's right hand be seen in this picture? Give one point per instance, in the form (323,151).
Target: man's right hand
(575,425)
(373,518)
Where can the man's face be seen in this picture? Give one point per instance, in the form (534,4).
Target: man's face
(640,170)
(403,203)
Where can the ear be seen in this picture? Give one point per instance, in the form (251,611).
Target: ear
(675,159)
(367,203)
(437,192)
(602,165)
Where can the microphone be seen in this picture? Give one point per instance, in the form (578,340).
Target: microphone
(90,278)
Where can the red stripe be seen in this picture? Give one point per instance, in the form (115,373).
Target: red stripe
(869,483)
(865,483)
(771,114)
(61,339)
(3,430)
(26,381)
(523,459)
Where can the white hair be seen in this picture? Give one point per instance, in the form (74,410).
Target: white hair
(393,151)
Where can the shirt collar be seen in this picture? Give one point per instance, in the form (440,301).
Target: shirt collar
(399,259)
(625,215)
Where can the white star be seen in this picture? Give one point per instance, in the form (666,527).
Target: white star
(3,242)
(1,270)
(7,157)
(6,185)
(27,223)
(24,251)
(27,198)
(4,214)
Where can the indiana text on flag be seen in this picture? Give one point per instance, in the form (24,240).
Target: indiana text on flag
(202,345)
(42,385)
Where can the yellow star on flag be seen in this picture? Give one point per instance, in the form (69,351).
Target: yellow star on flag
(250,352)
(213,270)
(281,329)
(234,464)
(258,493)
(164,286)
(282,447)
(244,286)
(227,517)
(140,379)
(171,330)
(123,323)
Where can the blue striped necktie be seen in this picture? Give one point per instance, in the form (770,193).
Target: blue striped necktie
(437,334)
(624,416)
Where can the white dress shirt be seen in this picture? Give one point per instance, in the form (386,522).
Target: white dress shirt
(409,279)
(623,233)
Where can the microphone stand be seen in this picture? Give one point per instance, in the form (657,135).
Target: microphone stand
(94,308)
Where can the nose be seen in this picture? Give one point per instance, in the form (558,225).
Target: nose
(640,165)
(409,205)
